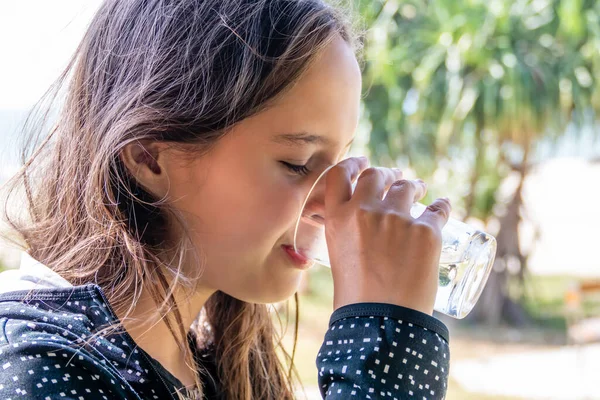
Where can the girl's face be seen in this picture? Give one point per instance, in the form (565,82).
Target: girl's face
(241,199)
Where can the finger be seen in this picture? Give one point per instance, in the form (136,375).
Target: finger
(373,183)
(437,213)
(338,185)
(404,193)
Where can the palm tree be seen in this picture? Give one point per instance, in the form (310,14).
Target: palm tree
(481,83)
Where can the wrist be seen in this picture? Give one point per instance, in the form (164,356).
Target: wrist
(412,303)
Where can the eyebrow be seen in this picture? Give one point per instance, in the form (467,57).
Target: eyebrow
(302,138)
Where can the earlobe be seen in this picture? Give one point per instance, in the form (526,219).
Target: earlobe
(141,158)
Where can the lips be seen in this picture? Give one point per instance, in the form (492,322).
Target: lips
(298,259)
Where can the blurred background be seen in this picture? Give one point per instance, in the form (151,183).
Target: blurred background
(496,105)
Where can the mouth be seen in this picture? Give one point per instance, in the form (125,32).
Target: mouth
(299,261)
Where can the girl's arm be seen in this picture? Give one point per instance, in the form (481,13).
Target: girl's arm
(378,350)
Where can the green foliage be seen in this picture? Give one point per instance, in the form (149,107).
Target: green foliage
(544,300)
(479,80)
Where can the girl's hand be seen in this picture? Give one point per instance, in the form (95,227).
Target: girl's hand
(378,251)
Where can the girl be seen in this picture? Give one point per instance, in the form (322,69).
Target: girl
(161,207)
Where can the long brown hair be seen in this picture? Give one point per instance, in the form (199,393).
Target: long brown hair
(178,71)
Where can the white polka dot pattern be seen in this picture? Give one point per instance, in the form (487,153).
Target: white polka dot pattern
(371,351)
(383,351)
(44,354)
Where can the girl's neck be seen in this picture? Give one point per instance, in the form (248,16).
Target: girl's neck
(151,333)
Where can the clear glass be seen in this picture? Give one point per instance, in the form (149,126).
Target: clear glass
(465,263)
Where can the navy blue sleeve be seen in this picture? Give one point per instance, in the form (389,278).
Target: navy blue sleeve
(377,350)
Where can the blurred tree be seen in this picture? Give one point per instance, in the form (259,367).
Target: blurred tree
(479,82)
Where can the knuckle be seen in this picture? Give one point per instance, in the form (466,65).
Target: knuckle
(426,232)
(395,218)
(402,187)
(364,219)
(362,213)
(369,172)
(369,217)
(401,183)
(448,203)
(438,209)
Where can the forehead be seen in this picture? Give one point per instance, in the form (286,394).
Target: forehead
(330,88)
(323,102)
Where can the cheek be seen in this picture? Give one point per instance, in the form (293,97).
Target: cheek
(272,209)
(246,213)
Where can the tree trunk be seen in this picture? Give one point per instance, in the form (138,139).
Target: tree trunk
(495,305)
(479,159)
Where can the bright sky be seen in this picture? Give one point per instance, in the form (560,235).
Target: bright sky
(37,38)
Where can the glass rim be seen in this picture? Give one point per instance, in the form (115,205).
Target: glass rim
(299,219)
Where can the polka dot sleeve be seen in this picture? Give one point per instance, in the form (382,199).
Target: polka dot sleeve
(378,351)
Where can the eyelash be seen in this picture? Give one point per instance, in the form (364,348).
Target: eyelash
(297,169)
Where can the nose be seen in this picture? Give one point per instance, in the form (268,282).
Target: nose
(314,208)
(316,213)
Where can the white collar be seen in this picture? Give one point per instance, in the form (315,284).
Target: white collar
(31,274)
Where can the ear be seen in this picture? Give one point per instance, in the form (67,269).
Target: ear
(144,161)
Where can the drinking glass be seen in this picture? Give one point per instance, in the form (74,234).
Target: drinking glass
(465,262)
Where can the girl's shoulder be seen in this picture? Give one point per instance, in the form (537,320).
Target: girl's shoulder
(51,341)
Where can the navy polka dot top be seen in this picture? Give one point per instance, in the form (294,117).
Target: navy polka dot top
(370,351)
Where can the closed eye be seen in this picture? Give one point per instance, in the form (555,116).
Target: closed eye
(297,169)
